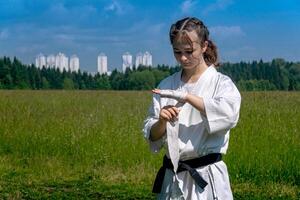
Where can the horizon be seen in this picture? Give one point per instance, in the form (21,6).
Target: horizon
(160,64)
(242,30)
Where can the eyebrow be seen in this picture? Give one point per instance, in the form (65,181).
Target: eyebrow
(186,49)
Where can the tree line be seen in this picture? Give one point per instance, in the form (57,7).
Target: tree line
(248,76)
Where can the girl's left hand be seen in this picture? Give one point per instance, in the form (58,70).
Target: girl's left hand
(173,94)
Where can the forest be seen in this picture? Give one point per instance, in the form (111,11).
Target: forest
(248,76)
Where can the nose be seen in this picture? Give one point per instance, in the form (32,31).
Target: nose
(183,58)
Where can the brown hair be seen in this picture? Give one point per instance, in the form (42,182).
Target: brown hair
(179,31)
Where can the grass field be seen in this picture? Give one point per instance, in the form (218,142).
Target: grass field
(89,145)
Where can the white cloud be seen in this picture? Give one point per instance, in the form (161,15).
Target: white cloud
(156,28)
(59,14)
(186,6)
(62,36)
(115,7)
(34,48)
(58,9)
(86,11)
(237,54)
(4,34)
(143,27)
(223,32)
(218,5)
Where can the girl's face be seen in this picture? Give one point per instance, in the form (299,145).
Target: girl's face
(189,56)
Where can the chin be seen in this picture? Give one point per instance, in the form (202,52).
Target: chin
(188,66)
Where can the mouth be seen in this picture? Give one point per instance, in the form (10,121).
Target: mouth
(186,64)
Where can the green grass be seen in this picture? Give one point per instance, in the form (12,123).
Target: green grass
(89,145)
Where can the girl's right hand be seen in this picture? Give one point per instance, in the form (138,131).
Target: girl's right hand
(169,114)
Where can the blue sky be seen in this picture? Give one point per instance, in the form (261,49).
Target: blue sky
(242,29)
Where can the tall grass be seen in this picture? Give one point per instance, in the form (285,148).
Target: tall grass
(89,143)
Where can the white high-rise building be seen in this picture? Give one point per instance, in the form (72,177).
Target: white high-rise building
(61,62)
(74,63)
(40,61)
(147,59)
(102,63)
(50,61)
(127,61)
(138,59)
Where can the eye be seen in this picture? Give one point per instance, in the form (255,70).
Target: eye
(189,52)
(177,52)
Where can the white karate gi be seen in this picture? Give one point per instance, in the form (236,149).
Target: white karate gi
(198,135)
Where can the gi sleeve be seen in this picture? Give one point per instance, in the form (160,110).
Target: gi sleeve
(153,116)
(222,110)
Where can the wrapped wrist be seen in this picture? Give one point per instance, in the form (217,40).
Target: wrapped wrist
(174,94)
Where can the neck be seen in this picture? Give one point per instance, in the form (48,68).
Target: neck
(193,74)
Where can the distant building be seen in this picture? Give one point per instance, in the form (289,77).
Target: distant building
(143,59)
(50,61)
(74,63)
(127,61)
(138,59)
(102,63)
(147,59)
(40,61)
(61,62)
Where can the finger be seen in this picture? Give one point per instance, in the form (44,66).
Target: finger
(173,112)
(156,91)
(173,115)
(168,114)
(175,109)
(163,117)
(167,107)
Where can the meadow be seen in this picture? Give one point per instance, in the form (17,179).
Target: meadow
(89,145)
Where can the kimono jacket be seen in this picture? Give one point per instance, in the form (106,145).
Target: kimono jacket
(197,135)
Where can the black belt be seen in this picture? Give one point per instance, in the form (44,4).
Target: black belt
(187,165)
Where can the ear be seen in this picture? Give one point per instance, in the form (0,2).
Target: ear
(205,44)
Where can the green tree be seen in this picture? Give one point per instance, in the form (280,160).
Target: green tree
(116,79)
(8,82)
(45,83)
(284,76)
(143,80)
(68,84)
(159,75)
(294,77)
(102,82)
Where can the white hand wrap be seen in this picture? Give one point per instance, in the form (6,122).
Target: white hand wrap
(173,94)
